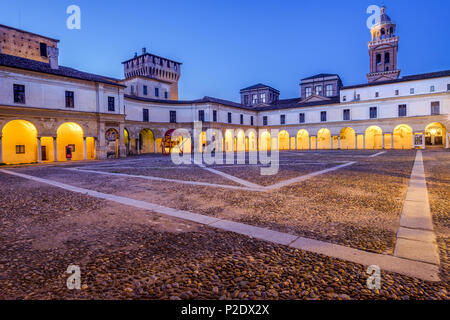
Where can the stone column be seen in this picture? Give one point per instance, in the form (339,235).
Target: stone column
(55,150)
(129,145)
(154,144)
(339,142)
(84,148)
(1,150)
(356,141)
(39,151)
(364,141)
(316,142)
(331,142)
(413,142)
(392,140)
(137,145)
(447,142)
(384,136)
(309,142)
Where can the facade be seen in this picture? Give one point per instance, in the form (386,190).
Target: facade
(50,112)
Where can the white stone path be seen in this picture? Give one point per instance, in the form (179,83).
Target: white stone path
(413,268)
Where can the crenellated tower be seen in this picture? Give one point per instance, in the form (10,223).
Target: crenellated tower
(383,49)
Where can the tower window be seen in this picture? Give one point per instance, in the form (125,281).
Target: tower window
(329,90)
(254,99)
(402,110)
(378,58)
(246,99)
(263,97)
(173,116)
(373,113)
(283,119)
(43,49)
(308,92)
(301,117)
(435,108)
(156,92)
(323,116)
(145,115)
(319,90)
(387,57)
(166,95)
(145,90)
(346,115)
(19,93)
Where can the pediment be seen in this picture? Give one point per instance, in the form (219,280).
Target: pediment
(314,98)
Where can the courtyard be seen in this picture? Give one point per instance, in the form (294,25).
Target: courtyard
(145,228)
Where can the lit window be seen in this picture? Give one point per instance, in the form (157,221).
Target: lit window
(20,149)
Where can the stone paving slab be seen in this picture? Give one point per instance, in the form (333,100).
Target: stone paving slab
(414,215)
(425,251)
(416,234)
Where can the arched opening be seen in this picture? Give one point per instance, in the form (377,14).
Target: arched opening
(264,141)
(403,137)
(112,143)
(347,136)
(283,140)
(324,139)
(435,134)
(146,141)
(71,135)
(240,140)
(302,140)
(252,146)
(19,142)
(374,138)
(202,141)
(229,143)
(126,136)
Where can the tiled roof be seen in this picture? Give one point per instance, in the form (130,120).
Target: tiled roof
(37,66)
(259,86)
(423,76)
(297,103)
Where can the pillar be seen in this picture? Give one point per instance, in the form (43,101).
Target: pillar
(55,150)
(84,148)
(384,136)
(447,141)
(392,140)
(316,142)
(129,145)
(339,142)
(413,140)
(331,142)
(309,142)
(356,141)
(364,141)
(137,145)
(39,150)
(1,150)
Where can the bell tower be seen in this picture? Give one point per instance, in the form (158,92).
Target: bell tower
(383,50)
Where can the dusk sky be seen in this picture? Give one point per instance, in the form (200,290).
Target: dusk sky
(227,45)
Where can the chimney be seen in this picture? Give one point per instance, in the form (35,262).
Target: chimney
(53,54)
(144,50)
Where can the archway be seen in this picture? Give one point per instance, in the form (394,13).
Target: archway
(252,145)
(302,140)
(229,142)
(126,136)
(435,134)
(202,142)
(19,142)
(70,134)
(283,140)
(374,138)
(112,143)
(403,137)
(146,141)
(264,141)
(347,136)
(324,139)
(240,141)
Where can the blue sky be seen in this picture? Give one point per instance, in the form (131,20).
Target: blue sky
(228,45)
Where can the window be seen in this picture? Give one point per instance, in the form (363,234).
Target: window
(323,116)
(308,92)
(346,115)
(241,119)
(396,92)
(378,58)
(251,120)
(319,90)
(43,49)
(166,95)
(201,115)
(145,116)
(435,108)
(246,99)
(283,119)
(377,94)
(262,97)
(70,102)
(387,57)
(344,98)
(411,91)
(20,149)
(111,104)
(265,121)
(173,117)
(132,90)
(215,115)
(254,99)
(72,147)
(432,88)
(448,87)
(373,112)
(19,93)
(402,110)
(301,118)
(145,90)
(358,97)
(329,90)
(229,117)
(156,92)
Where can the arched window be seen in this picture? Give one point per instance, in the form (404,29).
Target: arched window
(378,58)
(387,57)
